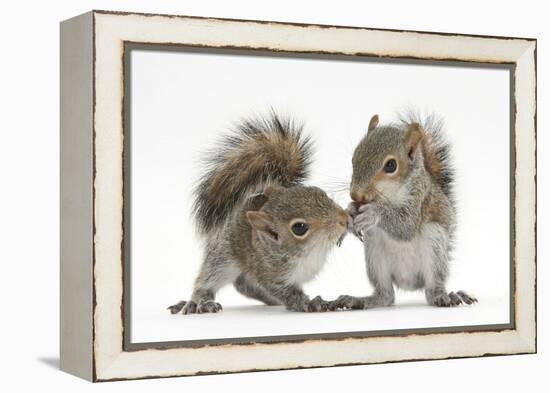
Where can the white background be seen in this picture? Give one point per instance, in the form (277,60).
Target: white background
(29,198)
(182,102)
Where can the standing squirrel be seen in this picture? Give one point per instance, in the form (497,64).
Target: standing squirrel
(265,232)
(403,207)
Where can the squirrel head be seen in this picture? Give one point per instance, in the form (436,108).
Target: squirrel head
(295,217)
(384,160)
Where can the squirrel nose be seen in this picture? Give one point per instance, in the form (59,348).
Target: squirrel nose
(358,197)
(343,218)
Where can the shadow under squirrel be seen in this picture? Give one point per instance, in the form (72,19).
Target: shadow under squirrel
(265,232)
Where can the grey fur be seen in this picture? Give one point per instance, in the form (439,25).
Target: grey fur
(250,288)
(436,128)
(406,218)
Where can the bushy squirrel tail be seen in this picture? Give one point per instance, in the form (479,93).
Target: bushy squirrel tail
(436,150)
(258,152)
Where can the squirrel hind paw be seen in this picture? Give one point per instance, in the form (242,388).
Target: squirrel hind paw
(446,300)
(453,299)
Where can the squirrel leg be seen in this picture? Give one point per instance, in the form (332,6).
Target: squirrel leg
(379,276)
(294,299)
(436,292)
(250,288)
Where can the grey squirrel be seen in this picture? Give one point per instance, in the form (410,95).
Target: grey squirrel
(404,209)
(265,232)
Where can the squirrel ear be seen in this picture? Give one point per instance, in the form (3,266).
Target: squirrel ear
(262,222)
(373,123)
(413,137)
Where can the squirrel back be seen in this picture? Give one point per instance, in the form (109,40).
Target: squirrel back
(259,152)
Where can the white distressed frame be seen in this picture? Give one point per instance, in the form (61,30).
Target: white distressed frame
(92,90)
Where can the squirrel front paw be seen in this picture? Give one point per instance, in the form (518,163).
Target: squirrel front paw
(318,305)
(185,307)
(190,307)
(306,305)
(353,210)
(176,308)
(368,217)
(347,302)
(208,306)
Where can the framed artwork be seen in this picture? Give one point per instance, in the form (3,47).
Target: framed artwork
(243,195)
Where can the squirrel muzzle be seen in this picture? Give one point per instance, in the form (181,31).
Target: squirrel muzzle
(360,197)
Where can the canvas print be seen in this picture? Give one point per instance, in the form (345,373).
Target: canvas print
(277,195)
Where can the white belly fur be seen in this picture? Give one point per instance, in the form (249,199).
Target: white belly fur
(408,264)
(307,267)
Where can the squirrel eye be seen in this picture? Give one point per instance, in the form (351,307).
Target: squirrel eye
(300,228)
(390,166)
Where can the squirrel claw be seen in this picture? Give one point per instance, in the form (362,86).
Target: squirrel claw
(356,233)
(209,306)
(346,302)
(176,308)
(466,298)
(190,307)
(368,217)
(318,305)
(352,211)
(185,307)
(443,300)
(453,299)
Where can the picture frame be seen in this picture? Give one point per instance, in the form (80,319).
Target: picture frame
(94,258)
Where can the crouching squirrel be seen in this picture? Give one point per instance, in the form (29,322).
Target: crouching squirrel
(265,232)
(404,209)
